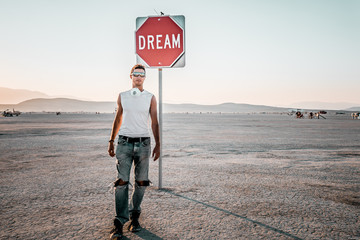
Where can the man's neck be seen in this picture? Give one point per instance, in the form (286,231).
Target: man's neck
(140,88)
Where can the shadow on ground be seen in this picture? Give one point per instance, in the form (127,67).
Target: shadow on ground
(231,213)
(145,234)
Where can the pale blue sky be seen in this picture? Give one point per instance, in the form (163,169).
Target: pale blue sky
(271,52)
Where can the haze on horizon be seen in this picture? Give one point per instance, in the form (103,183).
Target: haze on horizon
(255,51)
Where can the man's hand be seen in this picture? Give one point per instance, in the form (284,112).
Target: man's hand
(156,152)
(111,149)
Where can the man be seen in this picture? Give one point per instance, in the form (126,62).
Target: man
(135,108)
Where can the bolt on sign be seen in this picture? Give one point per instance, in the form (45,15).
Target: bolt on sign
(160,41)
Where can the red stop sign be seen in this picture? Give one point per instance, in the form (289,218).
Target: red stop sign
(160,41)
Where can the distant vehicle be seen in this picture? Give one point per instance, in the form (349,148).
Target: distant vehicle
(299,114)
(8,113)
(311,115)
(58,113)
(355,115)
(294,111)
(318,114)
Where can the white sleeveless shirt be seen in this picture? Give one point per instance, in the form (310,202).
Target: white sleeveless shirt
(136,113)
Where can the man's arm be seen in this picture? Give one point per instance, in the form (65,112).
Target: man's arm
(155,128)
(115,127)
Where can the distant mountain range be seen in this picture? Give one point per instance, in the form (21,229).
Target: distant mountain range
(33,101)
(325,105)
(354,109)
(72,105)
(14,96)
(224,108)
(60,105)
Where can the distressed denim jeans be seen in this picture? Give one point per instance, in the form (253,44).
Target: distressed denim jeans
(126,154)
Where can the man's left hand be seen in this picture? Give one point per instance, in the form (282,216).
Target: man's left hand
(156,152)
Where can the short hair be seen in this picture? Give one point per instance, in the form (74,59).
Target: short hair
(137,66)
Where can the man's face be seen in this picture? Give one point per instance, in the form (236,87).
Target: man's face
(138,77)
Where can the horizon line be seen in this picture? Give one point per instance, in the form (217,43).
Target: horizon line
(217,104)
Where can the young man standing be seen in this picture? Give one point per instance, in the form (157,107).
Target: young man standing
(135,108)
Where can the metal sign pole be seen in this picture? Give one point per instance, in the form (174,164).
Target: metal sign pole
(160,127)
(161,56)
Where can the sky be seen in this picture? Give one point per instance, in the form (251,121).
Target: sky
(268,52)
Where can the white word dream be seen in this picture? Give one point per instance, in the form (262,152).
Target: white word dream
(159,41)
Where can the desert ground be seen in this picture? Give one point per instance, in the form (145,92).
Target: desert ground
(225,176)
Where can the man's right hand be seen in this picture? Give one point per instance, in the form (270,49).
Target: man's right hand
(111,150)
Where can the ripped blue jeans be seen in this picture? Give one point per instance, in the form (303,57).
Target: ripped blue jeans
(128,153)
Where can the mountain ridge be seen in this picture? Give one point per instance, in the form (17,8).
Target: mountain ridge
(324,105)
(61,105)
(74,105)
(11,96)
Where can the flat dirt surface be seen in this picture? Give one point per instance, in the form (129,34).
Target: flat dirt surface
(225,176)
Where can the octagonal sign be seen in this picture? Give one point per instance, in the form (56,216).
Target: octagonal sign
(160,41)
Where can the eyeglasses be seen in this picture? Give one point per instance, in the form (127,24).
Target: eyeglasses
(138,74)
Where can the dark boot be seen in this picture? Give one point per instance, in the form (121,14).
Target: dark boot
(117,231)
(134,225)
